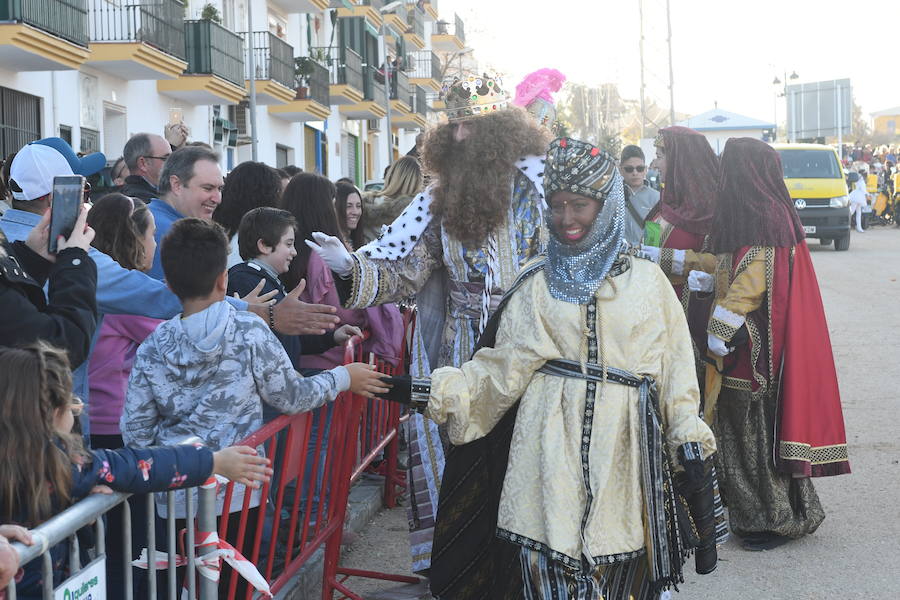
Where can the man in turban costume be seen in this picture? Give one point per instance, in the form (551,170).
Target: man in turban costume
(586,402)
(772,396)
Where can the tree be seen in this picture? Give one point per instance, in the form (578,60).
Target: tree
(859,128)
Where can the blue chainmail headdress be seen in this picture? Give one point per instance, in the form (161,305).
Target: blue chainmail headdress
(575,271)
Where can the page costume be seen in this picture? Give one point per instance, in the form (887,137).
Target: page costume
(774,401)
(566,420)
(684,215)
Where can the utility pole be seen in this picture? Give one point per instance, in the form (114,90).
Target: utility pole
(251,63)
(643,105)
(671,76)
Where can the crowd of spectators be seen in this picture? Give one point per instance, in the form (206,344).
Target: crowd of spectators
(184,303)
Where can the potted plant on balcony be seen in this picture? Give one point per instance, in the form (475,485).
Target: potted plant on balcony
(303,70)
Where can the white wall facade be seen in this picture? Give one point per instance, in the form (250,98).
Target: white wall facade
(119,108)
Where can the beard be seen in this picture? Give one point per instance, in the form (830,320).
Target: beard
(474,176)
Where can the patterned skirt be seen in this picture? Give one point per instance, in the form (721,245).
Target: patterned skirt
(758,497)
(545,579)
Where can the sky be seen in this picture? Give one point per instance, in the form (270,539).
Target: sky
(723,51)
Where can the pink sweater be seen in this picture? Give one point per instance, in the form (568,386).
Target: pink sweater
(384,323)
(109,368)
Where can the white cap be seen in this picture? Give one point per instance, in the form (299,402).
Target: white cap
(33,170)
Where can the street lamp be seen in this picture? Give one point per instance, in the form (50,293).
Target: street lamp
(777,82)
(387,77)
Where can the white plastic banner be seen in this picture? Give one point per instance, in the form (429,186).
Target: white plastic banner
(87,584)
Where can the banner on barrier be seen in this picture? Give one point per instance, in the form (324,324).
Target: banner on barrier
(88,584)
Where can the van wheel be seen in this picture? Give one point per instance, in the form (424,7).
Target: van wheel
(842,243)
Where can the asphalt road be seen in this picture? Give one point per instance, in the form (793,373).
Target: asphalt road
(855,554)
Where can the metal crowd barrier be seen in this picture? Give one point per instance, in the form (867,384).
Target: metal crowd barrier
(360,434)
(89,511)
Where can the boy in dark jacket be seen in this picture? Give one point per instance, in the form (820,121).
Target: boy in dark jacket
(266,243)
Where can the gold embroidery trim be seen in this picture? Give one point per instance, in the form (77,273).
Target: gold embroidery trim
(666,257)
(721,329)
(816,455)
(736,383)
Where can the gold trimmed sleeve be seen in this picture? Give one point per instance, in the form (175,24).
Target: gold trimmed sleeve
(379,281)
(744,295)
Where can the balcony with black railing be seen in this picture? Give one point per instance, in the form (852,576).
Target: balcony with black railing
(273,58)
(415,27)
(140,40)
(157,23)
(374,85)
(419,100)
(66,19)
(424,68)
(43,35)
(345,73)
(400,90)
(367,9)
(214,50)
(449,37)
(215,66)
(311,101)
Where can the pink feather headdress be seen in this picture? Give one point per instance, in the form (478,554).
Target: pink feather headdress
(540,84)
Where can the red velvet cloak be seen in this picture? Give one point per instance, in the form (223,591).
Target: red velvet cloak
(790,348)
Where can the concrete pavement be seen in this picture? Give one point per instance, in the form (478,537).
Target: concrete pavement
(856,551)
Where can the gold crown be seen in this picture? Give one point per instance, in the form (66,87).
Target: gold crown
(473,97)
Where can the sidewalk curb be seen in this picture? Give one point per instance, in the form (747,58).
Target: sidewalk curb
(365,502)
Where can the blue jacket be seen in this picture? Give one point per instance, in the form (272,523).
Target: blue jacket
(129,470)
(119,291)
(165,216)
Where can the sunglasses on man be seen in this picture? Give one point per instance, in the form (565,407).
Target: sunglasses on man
(632,169)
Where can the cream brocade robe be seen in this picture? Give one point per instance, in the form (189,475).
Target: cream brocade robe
(642,329)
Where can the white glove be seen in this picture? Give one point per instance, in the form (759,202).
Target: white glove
(333,252)
(651,252)
(698,281)
(716,345)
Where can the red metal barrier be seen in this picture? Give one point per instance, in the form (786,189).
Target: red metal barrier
(361,431)
(382,418)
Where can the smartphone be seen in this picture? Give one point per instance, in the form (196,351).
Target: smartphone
(68,196)
(176,116)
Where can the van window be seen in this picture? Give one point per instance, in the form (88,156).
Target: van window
(810,164)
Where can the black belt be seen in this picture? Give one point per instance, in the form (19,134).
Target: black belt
(592,372)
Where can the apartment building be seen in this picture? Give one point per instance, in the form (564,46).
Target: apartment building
(96,71)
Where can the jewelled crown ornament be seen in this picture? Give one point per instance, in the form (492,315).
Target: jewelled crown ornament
(473,97)
(535,94)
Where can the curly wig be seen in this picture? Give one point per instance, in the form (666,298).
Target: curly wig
(474,175)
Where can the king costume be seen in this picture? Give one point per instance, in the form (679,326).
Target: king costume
(457,284)
(773,400)
(571,415)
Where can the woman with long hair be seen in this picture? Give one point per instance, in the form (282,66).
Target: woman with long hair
(124,230)
(250,185)
(348,206)
(403,181)
(309,197)
(46,468)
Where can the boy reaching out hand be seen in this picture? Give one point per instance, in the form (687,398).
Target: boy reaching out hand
(207,372)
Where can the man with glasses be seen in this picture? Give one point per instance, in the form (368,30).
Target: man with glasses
(641,197)
(145,155)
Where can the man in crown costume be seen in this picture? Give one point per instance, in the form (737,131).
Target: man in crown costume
(584,389)
(772,397)
(457,247)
